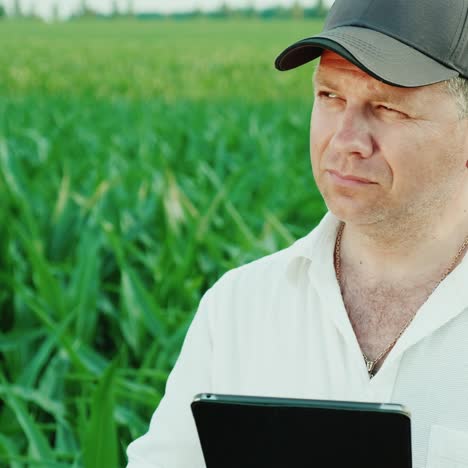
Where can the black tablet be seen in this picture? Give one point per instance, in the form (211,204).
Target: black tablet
(263,432)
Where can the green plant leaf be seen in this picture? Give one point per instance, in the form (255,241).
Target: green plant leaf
(39,448)
(100,443)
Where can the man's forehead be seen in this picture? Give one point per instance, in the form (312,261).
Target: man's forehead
(332,60)
(332,66)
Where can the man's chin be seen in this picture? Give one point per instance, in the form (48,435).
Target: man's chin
(353,213)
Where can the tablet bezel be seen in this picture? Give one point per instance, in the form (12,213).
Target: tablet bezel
(299,402)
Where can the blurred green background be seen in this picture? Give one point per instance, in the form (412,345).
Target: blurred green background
(139,160)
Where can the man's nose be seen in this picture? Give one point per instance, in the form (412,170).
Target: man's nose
(352,135)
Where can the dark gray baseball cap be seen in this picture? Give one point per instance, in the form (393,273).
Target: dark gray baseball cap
(405,43)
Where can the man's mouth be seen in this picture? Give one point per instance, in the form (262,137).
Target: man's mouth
(348,179)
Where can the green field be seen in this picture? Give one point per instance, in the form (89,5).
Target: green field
(138,162)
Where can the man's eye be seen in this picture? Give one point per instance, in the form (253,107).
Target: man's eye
(328,95)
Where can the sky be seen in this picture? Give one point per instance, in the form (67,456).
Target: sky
(66,7)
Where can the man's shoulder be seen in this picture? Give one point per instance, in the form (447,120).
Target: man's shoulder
(280,269)
(274,263)
(269,269)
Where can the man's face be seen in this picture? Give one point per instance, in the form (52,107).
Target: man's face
(382,153)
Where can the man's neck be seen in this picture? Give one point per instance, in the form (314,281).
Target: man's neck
(413,255)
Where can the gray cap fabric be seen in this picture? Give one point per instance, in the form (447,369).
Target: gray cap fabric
(405,43)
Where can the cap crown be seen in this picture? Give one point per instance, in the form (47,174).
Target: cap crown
(437,28)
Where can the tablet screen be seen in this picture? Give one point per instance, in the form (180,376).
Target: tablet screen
(248,434)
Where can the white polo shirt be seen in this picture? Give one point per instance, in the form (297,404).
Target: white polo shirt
(278,327)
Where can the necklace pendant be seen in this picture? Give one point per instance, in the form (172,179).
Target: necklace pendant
(370,366)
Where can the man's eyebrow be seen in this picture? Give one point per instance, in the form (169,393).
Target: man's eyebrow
(385,95)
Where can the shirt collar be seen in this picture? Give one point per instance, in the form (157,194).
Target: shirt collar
(313,255)
(312,252)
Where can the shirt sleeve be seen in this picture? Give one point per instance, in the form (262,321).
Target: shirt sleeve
(172,439)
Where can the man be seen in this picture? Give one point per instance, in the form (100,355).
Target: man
(372,305)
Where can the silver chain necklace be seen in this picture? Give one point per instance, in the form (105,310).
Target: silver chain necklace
(371,363)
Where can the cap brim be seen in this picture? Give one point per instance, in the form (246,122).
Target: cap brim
(379,55)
